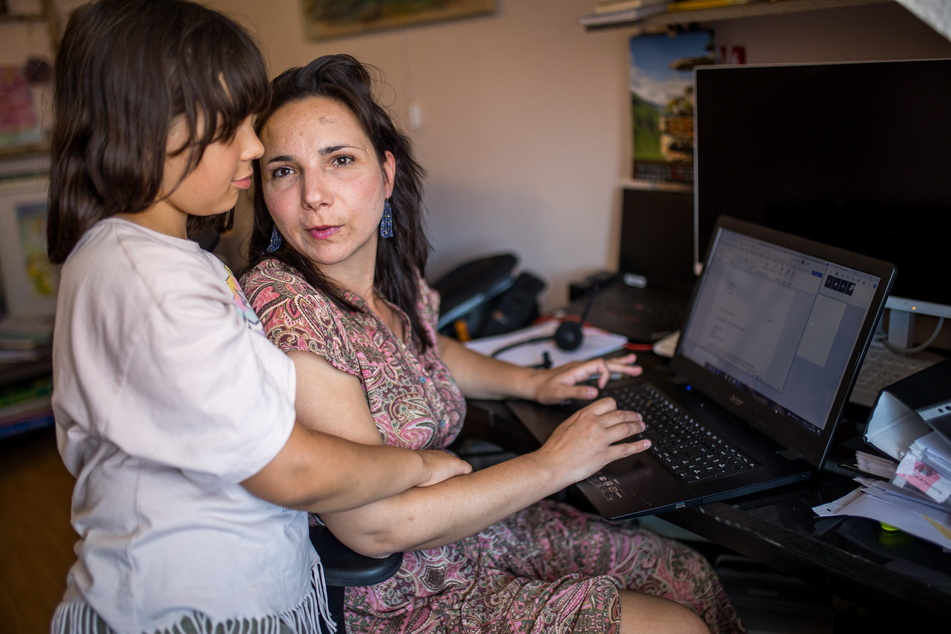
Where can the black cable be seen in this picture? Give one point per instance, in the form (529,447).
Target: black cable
(518,344)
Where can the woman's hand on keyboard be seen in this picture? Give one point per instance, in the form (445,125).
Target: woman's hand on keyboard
(580,380)
(591,438)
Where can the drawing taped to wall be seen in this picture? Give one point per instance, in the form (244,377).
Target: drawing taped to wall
(19,122)
(326,19)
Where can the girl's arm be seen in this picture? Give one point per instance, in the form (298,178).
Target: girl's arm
(458,507)
(320,473)
(481,376)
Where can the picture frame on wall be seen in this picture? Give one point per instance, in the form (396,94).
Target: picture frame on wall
(29,279)
(328,19)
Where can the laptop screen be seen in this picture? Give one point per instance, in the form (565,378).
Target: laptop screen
(782,321)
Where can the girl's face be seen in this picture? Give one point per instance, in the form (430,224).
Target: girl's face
(214,185)
(324,184)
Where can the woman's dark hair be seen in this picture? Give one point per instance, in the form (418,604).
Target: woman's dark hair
(124,72)
(400,260)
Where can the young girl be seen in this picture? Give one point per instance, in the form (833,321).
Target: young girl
(173,411)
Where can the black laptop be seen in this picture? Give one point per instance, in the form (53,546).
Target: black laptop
(776,330)
(648,299)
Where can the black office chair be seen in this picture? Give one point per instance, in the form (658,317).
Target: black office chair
(343,568)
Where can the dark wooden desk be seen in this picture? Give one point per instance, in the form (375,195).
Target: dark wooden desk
(890,574)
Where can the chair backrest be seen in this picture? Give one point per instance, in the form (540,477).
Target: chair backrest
(344,568)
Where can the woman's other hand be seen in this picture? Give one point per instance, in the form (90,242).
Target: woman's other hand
(572,380)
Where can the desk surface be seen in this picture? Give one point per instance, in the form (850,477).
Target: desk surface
(850,557)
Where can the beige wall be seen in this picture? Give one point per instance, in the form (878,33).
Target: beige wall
(522,115)
(521,126)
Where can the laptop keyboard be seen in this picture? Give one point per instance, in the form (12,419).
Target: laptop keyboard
(685,447)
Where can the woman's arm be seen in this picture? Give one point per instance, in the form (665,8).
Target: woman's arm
(458,507)
(334,459)
(481,376)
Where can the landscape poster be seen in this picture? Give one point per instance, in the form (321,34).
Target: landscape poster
(662,102)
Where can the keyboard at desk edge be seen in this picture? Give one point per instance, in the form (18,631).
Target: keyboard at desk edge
(880,369)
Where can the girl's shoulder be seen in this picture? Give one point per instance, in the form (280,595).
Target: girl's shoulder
(115,249)
(114,238)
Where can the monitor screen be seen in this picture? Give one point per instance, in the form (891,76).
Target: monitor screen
(856,155)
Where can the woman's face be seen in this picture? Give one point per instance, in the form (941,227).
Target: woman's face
(324,185)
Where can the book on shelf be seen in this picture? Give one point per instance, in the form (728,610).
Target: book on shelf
(624,15)
(607,6)
(37,422)
(25,405)
(21,333)
(23,340)
(693,5)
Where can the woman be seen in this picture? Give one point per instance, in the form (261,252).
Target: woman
(336,274)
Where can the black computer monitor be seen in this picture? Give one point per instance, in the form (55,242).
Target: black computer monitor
(857,155)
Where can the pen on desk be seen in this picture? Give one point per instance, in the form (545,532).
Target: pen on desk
(462,330)
(615,376)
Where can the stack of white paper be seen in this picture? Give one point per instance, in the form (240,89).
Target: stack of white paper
(909,424)
(596,343)
(905,509)
(917,499)
(875,465)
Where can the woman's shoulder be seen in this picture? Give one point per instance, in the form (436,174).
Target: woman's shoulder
(428,301)
(276,279)
(268,271)
(297,316)
(272,285)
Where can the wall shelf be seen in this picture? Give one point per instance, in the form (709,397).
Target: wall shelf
(757,8)
(22,17)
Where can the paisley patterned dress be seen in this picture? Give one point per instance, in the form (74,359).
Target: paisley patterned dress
(546,569)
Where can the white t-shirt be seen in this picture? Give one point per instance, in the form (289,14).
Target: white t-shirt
(166,396)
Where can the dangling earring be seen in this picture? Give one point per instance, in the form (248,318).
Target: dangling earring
(386,222)
(276,241)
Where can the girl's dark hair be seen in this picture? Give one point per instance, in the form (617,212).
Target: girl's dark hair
(125,71)
(400,260)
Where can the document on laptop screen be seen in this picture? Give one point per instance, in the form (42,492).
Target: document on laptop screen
(777,323)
